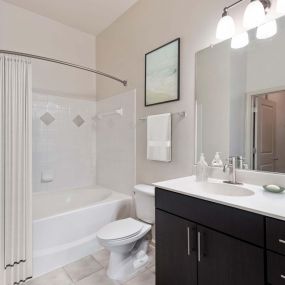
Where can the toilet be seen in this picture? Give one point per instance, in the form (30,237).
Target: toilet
(127,239)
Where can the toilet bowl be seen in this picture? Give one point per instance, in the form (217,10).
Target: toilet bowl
(127,239)
(127,243)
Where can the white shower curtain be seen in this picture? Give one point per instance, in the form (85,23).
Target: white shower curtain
(16,174)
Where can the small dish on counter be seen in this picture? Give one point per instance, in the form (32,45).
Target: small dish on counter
(273,188)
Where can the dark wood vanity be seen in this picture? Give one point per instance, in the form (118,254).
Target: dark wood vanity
(205,243)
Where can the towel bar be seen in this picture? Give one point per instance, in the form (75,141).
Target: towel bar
(181,114)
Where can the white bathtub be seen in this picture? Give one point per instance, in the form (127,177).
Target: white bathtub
(65,224)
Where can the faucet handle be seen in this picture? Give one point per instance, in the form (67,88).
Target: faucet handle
(227,164)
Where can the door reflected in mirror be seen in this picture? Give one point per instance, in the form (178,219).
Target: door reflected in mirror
(268,132)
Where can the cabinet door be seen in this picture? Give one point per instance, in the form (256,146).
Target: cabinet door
(275,268)
(223,260)
(176,250)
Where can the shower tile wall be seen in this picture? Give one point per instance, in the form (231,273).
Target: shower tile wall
(64,143)
(116,143)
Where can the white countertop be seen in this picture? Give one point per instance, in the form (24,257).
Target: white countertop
(262,202)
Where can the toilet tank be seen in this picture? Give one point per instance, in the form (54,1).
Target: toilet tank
(144,201)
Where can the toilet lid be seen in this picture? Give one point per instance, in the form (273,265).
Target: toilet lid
(120,229)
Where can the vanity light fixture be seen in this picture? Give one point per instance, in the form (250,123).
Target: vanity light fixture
(280,6)
(240,41)
(226,27)
(254,16)
(267,30)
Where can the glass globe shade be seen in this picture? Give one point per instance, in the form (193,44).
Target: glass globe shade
(225,28)
(267,30)
(254,15)
(240,41)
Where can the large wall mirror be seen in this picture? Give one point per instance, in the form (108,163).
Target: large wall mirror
(240,97)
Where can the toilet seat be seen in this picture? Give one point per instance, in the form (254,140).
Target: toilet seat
(120,230)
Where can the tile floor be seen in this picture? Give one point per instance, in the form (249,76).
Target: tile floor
(91,270)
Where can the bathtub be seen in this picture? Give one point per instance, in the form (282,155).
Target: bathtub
(65,224)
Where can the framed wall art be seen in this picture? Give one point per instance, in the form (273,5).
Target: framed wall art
(162,74)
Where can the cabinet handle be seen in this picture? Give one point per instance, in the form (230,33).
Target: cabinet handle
(193,236)
(188,242)
(199,247)
(282,276)
(282,241)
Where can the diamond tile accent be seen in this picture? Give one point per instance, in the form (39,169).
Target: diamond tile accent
(47,118)
(78,121)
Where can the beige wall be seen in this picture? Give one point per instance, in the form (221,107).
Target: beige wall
(121,49)
(24,31)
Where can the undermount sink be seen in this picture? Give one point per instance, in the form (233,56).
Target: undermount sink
(225,189)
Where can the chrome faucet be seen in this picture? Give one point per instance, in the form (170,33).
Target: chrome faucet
(231,165)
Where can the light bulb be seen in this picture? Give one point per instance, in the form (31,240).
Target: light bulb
(267,30)
(240,41)
(280,6)
(225,28)
(254,14)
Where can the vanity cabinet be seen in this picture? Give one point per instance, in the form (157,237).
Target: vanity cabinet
(227,245)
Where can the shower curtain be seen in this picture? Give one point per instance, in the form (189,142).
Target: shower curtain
(16,171)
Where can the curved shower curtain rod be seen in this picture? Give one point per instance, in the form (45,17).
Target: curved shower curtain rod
(124,82)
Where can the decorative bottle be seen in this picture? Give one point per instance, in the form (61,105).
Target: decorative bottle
(217,162)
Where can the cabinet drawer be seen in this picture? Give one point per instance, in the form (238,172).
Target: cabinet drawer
(275,234)
(237,223)
(275,268)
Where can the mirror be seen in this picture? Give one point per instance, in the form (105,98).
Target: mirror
(240,102)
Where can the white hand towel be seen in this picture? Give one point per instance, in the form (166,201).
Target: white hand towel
(159,137)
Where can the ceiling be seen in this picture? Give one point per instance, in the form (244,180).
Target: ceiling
(91,16)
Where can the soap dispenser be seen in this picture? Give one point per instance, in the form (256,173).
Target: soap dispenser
(202,169)
(217,162)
